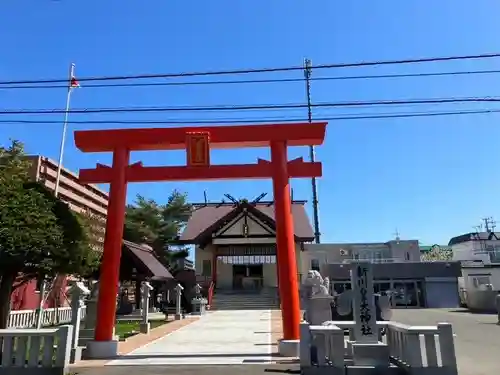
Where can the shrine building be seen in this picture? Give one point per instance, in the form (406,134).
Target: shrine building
(236,243)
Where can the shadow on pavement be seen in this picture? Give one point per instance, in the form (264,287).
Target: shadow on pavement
(250,369)
(472,311)
(195,355)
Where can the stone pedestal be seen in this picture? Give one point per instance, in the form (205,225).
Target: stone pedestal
(199,306)
(78,292)
(178,302)
(145,327)
(369,354)
(319,310)
(87,334)
(289,348)
(76,354)
(102,349)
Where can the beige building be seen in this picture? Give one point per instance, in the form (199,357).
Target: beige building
(87,199)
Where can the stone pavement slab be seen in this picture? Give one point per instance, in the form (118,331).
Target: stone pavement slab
(477,341)
(219,338)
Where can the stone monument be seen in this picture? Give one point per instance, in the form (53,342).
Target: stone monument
(146,289)
(178,301)
(366,348)
(78,292)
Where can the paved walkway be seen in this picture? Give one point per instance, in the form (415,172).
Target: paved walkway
(219,338)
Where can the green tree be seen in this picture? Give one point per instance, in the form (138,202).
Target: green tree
(157,225)
(437,253)
(39,234)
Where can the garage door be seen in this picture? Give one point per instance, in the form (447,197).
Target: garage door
(441,293)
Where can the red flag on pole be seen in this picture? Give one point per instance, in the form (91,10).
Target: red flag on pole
(73,83)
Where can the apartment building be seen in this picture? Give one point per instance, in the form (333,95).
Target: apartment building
(86,199)
(479,254)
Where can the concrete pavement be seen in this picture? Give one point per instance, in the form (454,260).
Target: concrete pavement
(218,338)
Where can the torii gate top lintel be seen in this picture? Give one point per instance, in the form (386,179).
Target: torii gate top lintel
(240,136)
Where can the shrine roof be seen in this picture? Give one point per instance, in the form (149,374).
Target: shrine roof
(207,219)
(146,260)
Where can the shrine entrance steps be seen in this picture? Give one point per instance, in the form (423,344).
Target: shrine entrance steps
(217,338)
(245,300)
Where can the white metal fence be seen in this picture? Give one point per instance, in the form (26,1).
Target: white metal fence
(51,317)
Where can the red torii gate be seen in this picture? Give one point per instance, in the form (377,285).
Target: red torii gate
(198,141)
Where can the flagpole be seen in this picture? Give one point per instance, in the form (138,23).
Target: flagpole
(65,128)
(39,317)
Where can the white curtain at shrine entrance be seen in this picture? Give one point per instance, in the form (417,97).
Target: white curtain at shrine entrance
(247,259)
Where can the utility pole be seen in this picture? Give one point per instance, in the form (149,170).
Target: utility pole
(489,224)
(312,153)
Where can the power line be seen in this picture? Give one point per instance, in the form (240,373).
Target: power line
(262,70)
(259,120)
(251,107)
(259,81)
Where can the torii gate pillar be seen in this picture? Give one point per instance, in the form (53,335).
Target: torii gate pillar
(285,235)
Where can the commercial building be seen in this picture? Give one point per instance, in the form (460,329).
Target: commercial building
(397,268)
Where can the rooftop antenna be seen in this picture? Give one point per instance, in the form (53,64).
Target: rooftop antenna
(312,153)
(396,233)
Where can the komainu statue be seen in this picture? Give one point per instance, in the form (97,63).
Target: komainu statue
(316,298)
(314,285)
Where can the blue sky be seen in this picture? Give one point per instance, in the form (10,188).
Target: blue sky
(432,178)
